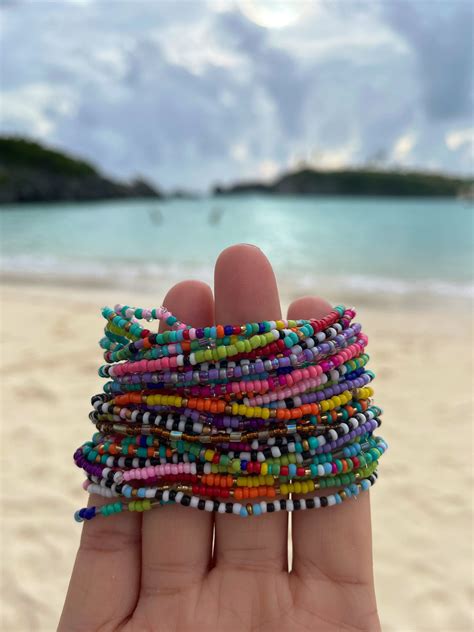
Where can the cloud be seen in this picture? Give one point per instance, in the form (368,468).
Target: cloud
(404,146)
(459,137)
(195,93)
(441,37)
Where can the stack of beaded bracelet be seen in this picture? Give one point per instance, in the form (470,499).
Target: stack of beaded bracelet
(231,419)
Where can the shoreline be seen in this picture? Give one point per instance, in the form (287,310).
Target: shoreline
(352,292)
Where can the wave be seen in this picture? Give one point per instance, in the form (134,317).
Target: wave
(127,275)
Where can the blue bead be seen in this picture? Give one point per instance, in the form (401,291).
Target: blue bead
(257,509)
(313,443)
(77,517)
(243,512)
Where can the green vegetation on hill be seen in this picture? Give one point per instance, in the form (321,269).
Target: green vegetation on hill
(369,182)
(30,172)
(19,152)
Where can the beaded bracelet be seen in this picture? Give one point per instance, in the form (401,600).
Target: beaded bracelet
(231,418)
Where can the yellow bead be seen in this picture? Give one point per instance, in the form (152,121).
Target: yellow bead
(264,468)
(284,489)
(265,414)
(209,455)
(304,488)
(297,487)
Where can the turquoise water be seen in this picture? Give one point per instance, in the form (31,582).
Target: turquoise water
(383,244)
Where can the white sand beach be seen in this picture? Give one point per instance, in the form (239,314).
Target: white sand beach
(422,505)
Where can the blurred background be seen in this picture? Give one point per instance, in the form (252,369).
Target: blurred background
(140,138)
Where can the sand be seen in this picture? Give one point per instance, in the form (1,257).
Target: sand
(422,506)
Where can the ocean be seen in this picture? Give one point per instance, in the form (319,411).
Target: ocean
(369,246)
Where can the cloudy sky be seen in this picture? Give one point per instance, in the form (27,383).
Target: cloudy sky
(191,93)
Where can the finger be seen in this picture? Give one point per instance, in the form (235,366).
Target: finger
(245,290)
(333,543)
(105,580)
(177,541)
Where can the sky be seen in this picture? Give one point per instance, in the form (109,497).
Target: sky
(189,94)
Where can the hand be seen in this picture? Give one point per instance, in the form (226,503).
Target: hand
(158,571)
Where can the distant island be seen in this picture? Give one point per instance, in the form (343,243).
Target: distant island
(30,172)
(363,182)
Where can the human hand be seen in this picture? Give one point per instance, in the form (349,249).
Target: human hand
(160,572)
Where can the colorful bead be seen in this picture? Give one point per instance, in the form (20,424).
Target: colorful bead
(231,419)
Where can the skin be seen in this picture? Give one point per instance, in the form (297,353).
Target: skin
(157,571)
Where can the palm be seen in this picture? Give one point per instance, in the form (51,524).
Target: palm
(164,571)
(267,600)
